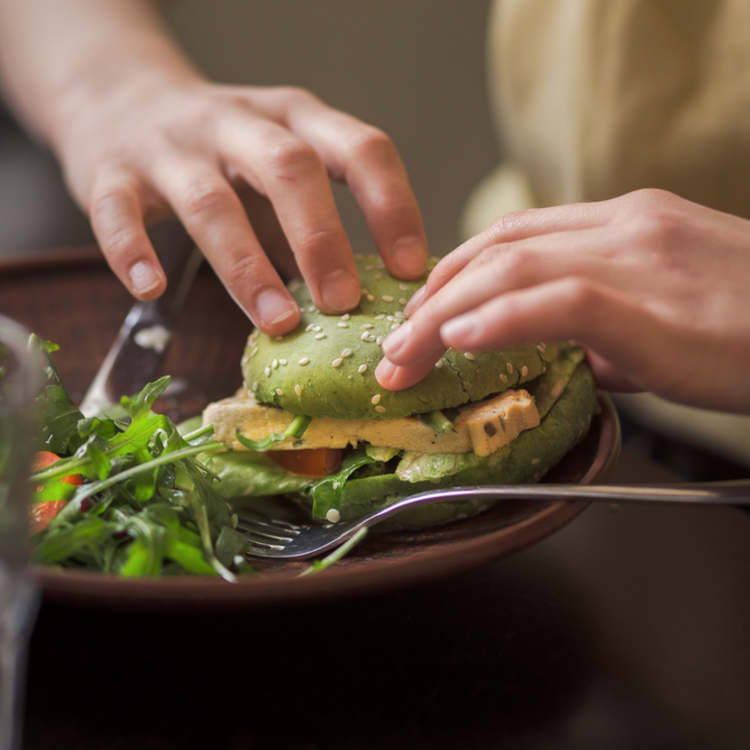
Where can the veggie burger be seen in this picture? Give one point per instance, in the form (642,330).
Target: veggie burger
(313,423)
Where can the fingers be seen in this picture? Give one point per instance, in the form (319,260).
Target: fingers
(117,220)
(285,144)
(213,214)
(293,177)
(367,160)
(514,228)
(560,310)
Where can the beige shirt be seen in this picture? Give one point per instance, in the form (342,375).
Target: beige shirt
(594,98)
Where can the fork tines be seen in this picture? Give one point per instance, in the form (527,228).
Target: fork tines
(263,531)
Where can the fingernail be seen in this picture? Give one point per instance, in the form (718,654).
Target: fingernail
(339,290)
(395,341)
(462,330)
(384,372)
(144,277)
(415,301)
(410,257)
(272,307)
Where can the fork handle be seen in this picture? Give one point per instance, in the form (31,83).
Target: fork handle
(730,492)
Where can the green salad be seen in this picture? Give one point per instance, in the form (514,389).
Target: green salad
(128,493)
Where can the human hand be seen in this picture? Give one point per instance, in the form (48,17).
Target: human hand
(141,133)
(655,287)
(141,150)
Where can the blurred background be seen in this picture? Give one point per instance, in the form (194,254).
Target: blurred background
(415,68)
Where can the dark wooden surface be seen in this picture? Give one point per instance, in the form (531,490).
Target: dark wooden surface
(628,628)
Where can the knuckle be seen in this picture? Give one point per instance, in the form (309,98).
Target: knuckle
(297,95)
(368,143)
(580,296)
(319,241)
(206,197)
(243,271)
(655,227)
(510,224)
(292,156)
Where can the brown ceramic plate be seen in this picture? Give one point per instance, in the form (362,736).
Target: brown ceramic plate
(72,298)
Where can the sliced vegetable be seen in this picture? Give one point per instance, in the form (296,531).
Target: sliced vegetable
(316,463)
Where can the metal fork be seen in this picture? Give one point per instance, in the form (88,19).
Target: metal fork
(272,538)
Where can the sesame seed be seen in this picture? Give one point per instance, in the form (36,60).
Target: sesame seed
(368,326)
(534,461)
(337,362)
(377,276)
(400,314)
(365,291)
(387,298)
(282,362)
(380,409)
(320,336)
(381,316)
(304,361)
(524,371)
(402,300)
(343,325)
(345,316)
(369,268)
(469,355)
(504,378)
(439,364)
(346,353)
(509,367)
(395,326)
(371,338)
(312,308)
(268,372)
(254,352)
(298,390)
(309,327)
(362,368)
(275,364)
(375,399)
(255,385)
(336,485)
(370,298)
(379,340)
(403,287)
(279,392)
(317,329)
(364,336)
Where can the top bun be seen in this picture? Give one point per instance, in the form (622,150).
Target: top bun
(326,366)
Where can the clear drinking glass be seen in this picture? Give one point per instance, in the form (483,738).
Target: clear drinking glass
(19,382)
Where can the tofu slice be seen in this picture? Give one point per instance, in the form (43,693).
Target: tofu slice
(495,422)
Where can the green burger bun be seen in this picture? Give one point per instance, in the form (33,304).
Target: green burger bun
(497,417)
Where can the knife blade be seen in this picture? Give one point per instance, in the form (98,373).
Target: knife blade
(141,343)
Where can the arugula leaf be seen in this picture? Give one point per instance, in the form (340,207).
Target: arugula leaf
(327,493)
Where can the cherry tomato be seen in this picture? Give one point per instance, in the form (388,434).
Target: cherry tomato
(316,462)
(40,514)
